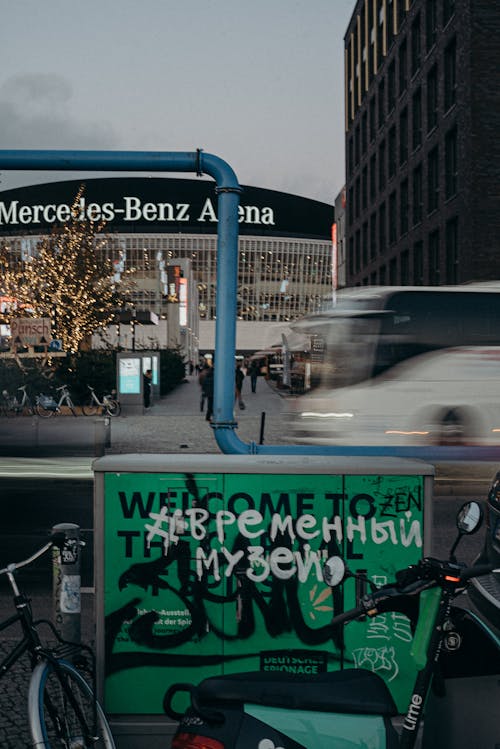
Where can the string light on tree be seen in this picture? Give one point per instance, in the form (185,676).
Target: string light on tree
(68,280)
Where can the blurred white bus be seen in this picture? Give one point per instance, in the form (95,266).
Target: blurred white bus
(405,366)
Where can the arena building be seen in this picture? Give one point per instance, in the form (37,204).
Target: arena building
(163,233)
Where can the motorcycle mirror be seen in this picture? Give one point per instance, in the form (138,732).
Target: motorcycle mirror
(334,571)
(469,518)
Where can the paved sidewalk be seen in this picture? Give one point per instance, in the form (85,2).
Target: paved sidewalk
(176,424)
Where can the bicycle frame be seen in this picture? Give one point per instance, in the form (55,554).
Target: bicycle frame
(65,398)
(12,404)
(31,643)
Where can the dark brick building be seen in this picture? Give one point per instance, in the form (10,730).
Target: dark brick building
(422,100)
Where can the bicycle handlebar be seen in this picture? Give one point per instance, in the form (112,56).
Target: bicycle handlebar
(477,570)
(348,616)
(25,562)
(57,538)
(428,573)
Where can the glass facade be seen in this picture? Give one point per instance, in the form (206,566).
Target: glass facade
(279,279)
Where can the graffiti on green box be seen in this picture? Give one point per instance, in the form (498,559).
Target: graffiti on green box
(210,572)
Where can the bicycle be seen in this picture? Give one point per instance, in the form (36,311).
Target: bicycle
(46,406)
(62,708)
(109,405)
(11,406)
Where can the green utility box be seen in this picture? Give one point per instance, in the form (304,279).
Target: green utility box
(211,564)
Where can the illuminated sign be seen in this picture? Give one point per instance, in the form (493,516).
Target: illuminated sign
(159,204)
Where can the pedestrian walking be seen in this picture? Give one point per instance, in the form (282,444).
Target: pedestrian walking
(201,378)
(208,392)
(147,381)
(254,373)
(239,376)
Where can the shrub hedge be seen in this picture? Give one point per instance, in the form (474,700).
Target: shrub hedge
(95,368)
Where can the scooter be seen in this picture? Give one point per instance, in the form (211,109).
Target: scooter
(457,682)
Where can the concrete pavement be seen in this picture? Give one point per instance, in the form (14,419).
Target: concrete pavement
(175,423)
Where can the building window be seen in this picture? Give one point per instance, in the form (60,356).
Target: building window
(350,155)
(381,103)
(452,251)
(401,11)
(416,45)
(357,195)
(365,244)
(390,23)
(364,132)
(393,272)
(380,36)
(417,195)
(382,275)
(417,118)
(373,177)
(356,145)
(382,236)
(371,45)
(434,274)
(418,263)
(448,10)
(381,165)
(391,86)
(373,121)
(373,235)
(364,188)
(433,180)
(392,151)
(403,136)
(450,74)
(350,205)
(351,256)
(403,67)
(430,23)
(405,268)
(450,163)
(403,207)
(393,218)
(432,98)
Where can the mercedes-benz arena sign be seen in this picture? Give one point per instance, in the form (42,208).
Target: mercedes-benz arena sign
(160,205)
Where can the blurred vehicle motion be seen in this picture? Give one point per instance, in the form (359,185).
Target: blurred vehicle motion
(404,366)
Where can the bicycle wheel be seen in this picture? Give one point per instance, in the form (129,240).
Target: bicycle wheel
(45,413)
(90,408)
(61,709)
(113,408)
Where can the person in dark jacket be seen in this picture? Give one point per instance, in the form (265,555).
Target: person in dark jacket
(254,373)
(147,386)
(239,376)
(203,373)
(207,388)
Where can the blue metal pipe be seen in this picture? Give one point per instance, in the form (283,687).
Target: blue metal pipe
(228,190)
